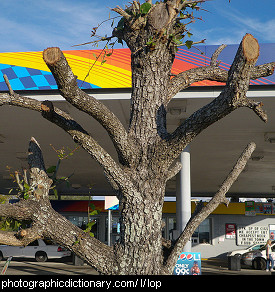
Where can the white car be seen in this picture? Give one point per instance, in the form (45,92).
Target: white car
(39,249)
(257,258)
(242,251)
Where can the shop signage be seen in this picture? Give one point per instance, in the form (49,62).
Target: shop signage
(272,231)
(111,203)
(250,208)
(259,208)
(189,263)
(230,231)
(264,208)
(248,235)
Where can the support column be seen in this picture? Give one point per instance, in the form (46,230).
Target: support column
(109,238)
(183,195)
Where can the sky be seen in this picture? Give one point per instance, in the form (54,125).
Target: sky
(33,25)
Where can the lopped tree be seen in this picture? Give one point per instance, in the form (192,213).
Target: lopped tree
(147,152)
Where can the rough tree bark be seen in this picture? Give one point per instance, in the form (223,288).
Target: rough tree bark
(146,151)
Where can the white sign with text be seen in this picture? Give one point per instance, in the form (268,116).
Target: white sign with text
(248,235)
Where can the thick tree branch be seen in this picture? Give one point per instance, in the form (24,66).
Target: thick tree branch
(217,199)
(69,89)
(53,225)
(76,240)
(22,210)
(70,126)
(12,238)
(22,237)
(110,167)
(19,211)
(232,97)
(40,182)
(174,170)
(48,223)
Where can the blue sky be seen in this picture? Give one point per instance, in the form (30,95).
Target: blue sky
(33,25)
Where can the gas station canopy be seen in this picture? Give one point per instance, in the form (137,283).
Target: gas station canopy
(213,152)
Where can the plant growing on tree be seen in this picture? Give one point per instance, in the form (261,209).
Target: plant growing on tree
(146,150)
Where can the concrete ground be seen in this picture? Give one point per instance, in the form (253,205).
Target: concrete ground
(66,267)
(51,267)
(220,267)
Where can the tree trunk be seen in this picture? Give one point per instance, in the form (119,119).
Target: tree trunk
(139,250)
(150,79)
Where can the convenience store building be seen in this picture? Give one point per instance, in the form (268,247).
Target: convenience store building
(228,228)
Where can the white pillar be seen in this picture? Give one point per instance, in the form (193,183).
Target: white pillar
(109,227)
(183,195)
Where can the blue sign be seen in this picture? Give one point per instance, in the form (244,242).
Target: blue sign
(115,207)
(189,263)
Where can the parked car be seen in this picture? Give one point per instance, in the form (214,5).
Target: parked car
(242,251)
(257,258)
(39,249)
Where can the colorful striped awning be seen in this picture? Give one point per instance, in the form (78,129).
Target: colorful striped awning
(27,70)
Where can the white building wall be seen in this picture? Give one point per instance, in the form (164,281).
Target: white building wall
(220,245)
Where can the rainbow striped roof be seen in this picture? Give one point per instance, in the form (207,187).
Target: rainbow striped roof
(27,70)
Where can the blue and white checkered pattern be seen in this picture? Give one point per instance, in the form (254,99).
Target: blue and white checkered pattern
(22,78)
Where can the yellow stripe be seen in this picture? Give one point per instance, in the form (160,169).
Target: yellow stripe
(26,59)
(233,208)
(104,76)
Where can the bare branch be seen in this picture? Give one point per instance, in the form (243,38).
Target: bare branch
(25,177)
(213,73)
(122,12)
(174,170)
(69,89)
(39,180)
(194,43)
(11,238)
(44,219)
(69,125)
(22,237)
(80,136)
(217,199)
(232,97)
(8,84)
(18,211)
(16,174)
(216,55)
(257,108)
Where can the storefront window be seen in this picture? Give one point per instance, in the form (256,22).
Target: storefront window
(202,233)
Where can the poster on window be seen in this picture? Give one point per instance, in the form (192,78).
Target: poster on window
(272,231)
(267,208)
(250,208)
(230,231)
